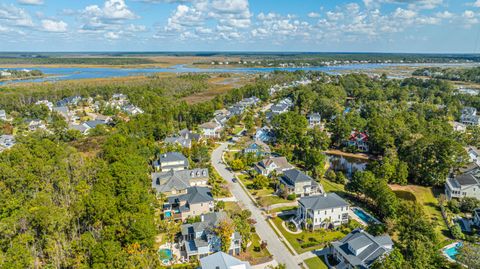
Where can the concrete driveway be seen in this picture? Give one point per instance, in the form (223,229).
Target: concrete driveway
(265,232)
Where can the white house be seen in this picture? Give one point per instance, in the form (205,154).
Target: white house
(314,119)
(324,211)
(474,154)
(277,164)
(171,161)
(3,115)
(211,129)
(463,185)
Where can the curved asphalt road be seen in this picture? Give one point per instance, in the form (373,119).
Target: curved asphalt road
(265,232)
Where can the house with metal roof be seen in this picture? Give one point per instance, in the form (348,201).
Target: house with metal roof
(469,116)
(199,239)
(360,249)
(297,182)
(171,161)
(278,164)
(258,148)
(466,184)
(196,201)
(221,260)
(6,142)
(176,182)
(322,211)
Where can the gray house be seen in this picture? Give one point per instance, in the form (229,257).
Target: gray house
(360,249)
(175,182)
(221,260)
(171,161)
(199,239)
(297,182)
(196,201)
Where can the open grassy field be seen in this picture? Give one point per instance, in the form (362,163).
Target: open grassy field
(219,85)
(316,263)
(427,197)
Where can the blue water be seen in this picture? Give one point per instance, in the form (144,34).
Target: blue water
(168,214)
(166,253)
(453,251)
(71,73)
(363,216)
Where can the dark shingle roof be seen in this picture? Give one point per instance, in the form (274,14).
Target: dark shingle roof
(466,179)
(294,176)
(194,195)
(323,201)
(361,249)
(176,180)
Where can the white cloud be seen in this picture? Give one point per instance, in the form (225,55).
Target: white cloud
(469,18)
(112,35)
(117,10)
(31,2)
(15,16)
(445,15)
(412,4)
(54,26)
(313,15)
(475,4)
(110,16)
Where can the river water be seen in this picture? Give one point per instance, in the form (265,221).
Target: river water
(72,73)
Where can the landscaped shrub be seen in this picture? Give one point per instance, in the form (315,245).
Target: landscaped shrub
(291,197)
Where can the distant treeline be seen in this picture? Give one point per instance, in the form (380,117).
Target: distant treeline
(20,73)
(456,74)
(80,60)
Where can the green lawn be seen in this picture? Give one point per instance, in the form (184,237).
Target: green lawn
(316,263)
(308,241)
(329,186)
(284,208)
(237,129)
(232,207)
(264,196)
(266,201)
(254,254)
(426,197)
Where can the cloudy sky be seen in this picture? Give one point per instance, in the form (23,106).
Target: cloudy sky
(240,25)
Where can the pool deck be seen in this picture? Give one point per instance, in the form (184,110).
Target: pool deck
(357,218)
(447,247)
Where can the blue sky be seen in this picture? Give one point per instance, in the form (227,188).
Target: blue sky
(241,25)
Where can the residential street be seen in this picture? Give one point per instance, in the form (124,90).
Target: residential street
(275,246)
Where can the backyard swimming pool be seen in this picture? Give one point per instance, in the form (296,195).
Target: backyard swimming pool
(453,250)
(367,218)
(165,255)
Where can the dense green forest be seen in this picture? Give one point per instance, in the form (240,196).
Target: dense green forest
(455,74)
